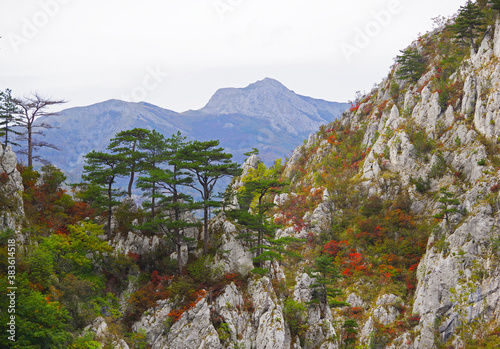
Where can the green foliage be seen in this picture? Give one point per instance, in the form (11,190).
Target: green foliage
(326,275)
(201,271)
(125,144)
(448,206)
(154,155)
(349,332)
(80,251)
(41,267)
(86,341)
(481,162)
(138,340)
(295,314)
(101,170)
(423,145)
(469,24)
(372,206)
(394,90)
(255,200)
(166,183)
(208,163)
(40,322)
(9,117)
(439,167)
(422,186)
(411,65)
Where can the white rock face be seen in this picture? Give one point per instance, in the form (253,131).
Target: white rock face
(233,256)
(153,321)
(297,154)
(134,242)
(250,164)
(11,190)
(320,332)
(268,314)
(440,271)
(386,312)
(193,330)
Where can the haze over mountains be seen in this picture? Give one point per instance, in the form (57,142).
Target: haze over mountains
(265,115)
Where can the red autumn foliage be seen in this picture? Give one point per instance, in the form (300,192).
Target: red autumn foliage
(47,205)
(334,247)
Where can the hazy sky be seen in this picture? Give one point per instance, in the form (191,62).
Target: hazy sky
(177,53)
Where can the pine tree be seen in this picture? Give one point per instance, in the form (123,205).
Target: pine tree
(326,275)
(9,118)
(411,65)
(208,163)
(173,203)
(126,144)
(448,206)
(154,152)
(255,202)
(102,169)
(469,24)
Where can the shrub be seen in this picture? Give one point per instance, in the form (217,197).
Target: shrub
(295,316)
(438,169)
(422,186)
(372,206)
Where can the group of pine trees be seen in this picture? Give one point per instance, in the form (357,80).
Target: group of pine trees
(165,170)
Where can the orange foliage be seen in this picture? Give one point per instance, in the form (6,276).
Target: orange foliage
(197,296)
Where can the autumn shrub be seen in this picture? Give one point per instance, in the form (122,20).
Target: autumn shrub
(372,206)
(48,207)
(156,289)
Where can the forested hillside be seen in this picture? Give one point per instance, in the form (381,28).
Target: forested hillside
(381,231)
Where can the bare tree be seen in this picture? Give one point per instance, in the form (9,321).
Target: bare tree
(31,108)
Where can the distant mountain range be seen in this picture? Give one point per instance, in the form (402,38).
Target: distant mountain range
(265,115)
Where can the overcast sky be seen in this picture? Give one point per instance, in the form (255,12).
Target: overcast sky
(177,53)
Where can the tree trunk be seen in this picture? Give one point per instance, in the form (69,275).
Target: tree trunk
(30,147)
(131,182)
(110,211)
(205,227)
(153,192)
(132,172)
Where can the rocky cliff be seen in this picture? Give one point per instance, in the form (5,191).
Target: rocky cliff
(11,188)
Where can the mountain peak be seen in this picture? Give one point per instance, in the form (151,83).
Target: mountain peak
(270,100)
(268,82)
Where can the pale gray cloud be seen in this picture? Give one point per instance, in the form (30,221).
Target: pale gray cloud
(87,51)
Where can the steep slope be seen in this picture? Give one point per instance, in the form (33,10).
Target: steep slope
(423,170)
(265,115)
